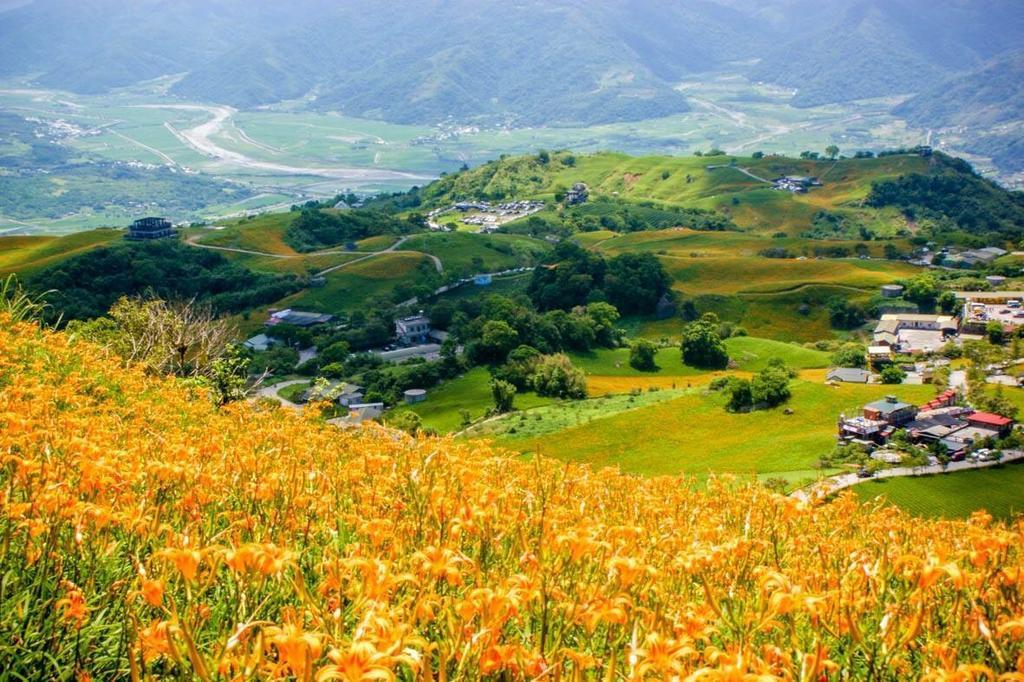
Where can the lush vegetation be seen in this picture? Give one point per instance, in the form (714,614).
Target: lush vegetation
(955,200)
(149,534)
(316,229)
(633,283)
(87,285)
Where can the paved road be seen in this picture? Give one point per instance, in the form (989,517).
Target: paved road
(271,392)
(836,483)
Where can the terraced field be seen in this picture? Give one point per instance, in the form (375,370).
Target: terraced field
(997,490)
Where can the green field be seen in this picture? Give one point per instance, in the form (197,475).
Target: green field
(750,354)
(349,289)
(468,253)
(999,491)
(693,434)
(470,392)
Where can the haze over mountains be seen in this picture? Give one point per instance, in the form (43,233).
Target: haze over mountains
(530,61)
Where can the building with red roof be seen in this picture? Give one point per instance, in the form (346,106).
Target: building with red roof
(988,420)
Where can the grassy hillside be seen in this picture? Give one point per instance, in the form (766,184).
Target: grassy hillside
(694,434)
(27,255)
(474,253)
(148,533)
(695,182)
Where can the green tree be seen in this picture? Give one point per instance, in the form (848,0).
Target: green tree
(770,386)
(504,395)
(832,151)
(893,375)
(497,338)
(994,332)
(850,355)
(923,290)
(947,302)
(556,376)
(741,397)
(702,345)
(642,353)
(409,421)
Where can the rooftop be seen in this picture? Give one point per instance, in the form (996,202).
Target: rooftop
(989,419)
(887,405)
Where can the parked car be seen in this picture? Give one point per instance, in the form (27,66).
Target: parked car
(865,473)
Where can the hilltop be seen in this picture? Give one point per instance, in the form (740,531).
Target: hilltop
(148,533)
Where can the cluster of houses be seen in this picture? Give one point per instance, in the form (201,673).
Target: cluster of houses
(486,215)
(973,258)
(981,308)
(955,258)
(797,184)
(958,429)
(910,333)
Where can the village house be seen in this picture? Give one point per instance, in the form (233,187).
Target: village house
(412,330)
(849,375)
(913,332)
(796,184)
(260,342)
(957,428)
(974,257)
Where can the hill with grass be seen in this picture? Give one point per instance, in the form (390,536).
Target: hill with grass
(149,533)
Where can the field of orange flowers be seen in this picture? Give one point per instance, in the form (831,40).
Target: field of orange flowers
(146,534)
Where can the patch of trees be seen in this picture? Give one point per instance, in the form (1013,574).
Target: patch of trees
(702,344)
(549,375)
(87,285)
(315,229)
(768,388)
(572,276)
(776,252)
(958,195)
(621,216)
(843,314)
(642,355)
(832,225)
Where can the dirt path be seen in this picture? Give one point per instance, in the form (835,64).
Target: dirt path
(741,170)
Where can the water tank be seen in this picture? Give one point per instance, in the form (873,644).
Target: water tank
(415,395)
(892,290)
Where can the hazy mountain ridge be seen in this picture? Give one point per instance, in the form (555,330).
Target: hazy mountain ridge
(526,62)
(875,48)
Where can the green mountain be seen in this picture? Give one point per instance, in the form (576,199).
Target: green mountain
(986,106)
(875,48)
(529,62)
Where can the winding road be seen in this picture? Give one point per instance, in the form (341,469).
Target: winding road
(834,484)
